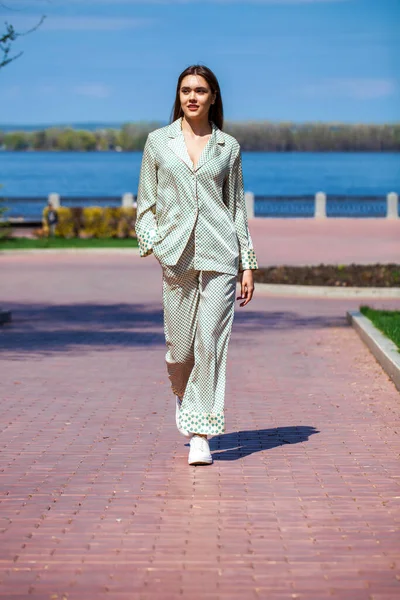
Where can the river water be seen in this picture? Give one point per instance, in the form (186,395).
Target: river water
(265,173)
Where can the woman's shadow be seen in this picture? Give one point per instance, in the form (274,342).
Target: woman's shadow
(236,445)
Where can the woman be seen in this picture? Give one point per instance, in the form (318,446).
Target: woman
(191,215)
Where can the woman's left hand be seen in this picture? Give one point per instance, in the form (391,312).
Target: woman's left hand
(247,285)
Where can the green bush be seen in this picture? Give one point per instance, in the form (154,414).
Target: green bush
(65,225)
(93,222)
(5,227)
(126,222)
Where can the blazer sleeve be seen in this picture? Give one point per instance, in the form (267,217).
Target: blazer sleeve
(146,224)
(235,191)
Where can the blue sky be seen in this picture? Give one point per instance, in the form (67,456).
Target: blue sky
(278,60)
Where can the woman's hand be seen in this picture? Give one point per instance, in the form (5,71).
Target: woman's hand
(247,285)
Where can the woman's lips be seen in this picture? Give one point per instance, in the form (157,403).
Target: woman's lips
(193,107)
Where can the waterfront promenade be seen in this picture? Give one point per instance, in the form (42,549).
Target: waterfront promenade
(97,500)
(329,241)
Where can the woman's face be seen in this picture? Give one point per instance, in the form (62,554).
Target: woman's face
(196,97)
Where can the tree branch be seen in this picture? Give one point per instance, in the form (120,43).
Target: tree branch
(7,38)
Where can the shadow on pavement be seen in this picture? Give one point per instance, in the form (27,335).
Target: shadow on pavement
(54,328)
(286,319)
(44,328)
(236,445)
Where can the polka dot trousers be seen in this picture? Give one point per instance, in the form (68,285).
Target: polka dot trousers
(198,315)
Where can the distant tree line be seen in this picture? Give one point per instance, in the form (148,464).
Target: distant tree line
(316,137)
(263,136)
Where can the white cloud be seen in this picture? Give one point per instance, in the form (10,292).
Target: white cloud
(47,88)
(12,91)
(43,4)
(217,1)
(94,90)
(278,2)
(93,23)
(22,23)
(358,88)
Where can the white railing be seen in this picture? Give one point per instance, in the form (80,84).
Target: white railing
(392,204)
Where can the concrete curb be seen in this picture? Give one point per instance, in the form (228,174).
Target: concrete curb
(71,251)
(383,349)
(326,291)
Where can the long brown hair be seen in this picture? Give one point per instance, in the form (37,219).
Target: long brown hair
(216,112)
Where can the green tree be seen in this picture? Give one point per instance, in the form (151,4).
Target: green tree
(16,140)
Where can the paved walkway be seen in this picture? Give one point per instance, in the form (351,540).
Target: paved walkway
(97,499)
(331,241)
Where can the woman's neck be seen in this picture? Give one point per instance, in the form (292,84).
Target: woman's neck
(196,127)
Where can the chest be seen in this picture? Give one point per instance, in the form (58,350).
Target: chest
(195,147)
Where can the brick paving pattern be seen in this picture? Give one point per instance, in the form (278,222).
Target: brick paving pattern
(97,499)
(329,241)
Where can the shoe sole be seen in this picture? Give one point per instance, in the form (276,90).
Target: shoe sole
(200,461)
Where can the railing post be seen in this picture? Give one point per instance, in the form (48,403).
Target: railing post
(54,199)
(320,205)
(127,200)
(392,206)
(249,202)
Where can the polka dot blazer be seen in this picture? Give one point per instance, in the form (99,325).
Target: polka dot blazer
(174,199)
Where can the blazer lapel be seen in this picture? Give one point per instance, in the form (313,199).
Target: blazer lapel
(177,144)
(213,147)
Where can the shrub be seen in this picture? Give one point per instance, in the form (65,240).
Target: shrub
(65,225)
(93,219)
(93,222)
(5,227)
(126,223)
(77,219)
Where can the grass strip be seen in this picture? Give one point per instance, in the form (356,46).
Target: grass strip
(56,243)
(387,321)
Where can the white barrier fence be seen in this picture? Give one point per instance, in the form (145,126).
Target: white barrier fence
(392,204)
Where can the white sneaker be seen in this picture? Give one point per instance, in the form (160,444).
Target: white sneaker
(184,432)
(199,453)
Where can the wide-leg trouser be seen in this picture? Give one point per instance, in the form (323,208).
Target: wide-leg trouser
(198,315)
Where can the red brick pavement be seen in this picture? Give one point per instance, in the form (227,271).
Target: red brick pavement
(97,499)
(330,241)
